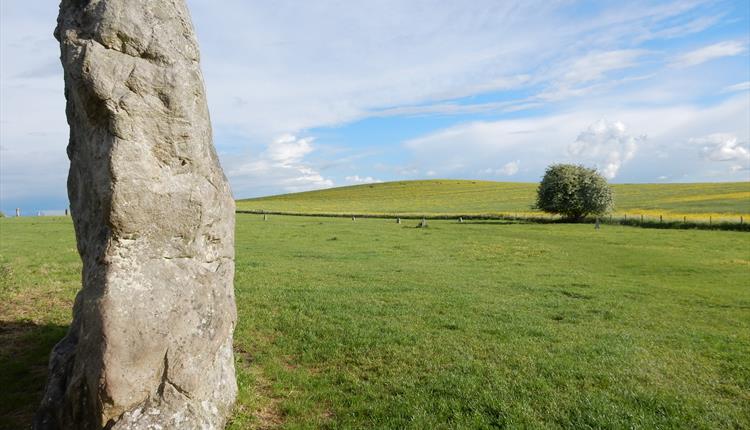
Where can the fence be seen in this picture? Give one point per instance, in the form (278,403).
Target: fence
(711,222)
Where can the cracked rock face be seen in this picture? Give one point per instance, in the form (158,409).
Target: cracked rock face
(150,345)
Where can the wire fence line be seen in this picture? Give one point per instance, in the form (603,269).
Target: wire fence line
(736,223)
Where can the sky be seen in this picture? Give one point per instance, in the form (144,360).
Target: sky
(315,94)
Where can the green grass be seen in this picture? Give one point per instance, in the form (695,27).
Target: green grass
(370,324)
(443,196)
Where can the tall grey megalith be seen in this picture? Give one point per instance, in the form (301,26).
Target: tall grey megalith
(150,345)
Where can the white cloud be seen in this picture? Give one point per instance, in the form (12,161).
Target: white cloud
(742,86)
(695,25)
(594,66)
(273,68)
(723,147)
(608,144)
(727,48)
(540,141)
(280,166)
(464,149)
(362,180)
(508,169)
(288,150)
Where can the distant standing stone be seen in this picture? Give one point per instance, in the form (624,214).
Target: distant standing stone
(461,219)
(596,225)
(398,220)
(150,345)
(18,211)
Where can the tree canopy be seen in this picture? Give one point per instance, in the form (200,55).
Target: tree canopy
(574,192)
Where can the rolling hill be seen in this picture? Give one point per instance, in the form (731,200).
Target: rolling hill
(446,197)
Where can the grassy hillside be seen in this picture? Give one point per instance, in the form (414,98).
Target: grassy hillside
(482,197)
(370,324)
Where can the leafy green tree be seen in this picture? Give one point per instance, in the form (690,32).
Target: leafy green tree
(574,192)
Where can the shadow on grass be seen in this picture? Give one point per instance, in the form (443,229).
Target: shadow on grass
(726,226)
(24,351)
(499,222)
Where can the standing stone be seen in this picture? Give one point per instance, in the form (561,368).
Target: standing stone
(18,211)
(150,345)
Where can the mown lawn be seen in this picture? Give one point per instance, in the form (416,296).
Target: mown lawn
(727,200)
(370,324)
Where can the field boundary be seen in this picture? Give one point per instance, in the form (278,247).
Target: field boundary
(632,220)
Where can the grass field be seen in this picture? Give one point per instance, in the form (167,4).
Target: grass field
(722,201)
(370,324)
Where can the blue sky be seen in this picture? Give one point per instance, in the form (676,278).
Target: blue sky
(307,95)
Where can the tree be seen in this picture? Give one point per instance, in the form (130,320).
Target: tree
(573,191)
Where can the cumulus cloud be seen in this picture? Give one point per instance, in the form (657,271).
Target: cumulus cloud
(362,180)
(542,140)
(608,144)
(724,147)
(288,150)
(508,169)
(281,165)
(728,48)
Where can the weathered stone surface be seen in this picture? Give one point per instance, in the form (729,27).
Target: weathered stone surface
(150,345)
